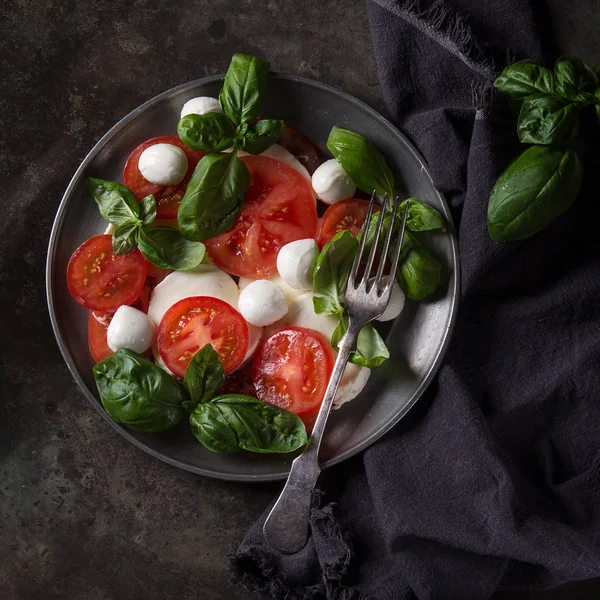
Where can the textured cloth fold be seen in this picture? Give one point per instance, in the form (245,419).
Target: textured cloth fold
(493,480)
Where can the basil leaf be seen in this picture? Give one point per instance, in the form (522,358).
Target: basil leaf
(234,422)
(210,132)
(408,243)
(166,248)
(421,216)
(575,80)
(371,351)
(147,209)
(363,163)
(137,393)
(524,78)
(213,196)
(260,136)
(330,275)
(546,119)
(116,202)
(534,189)
(419,275)
(204,377)
(124,239)
(244,87)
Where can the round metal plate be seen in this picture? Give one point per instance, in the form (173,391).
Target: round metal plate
(417,340)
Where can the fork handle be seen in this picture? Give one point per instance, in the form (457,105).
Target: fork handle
(286,527)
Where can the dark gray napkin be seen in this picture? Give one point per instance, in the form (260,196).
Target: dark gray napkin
(493,481)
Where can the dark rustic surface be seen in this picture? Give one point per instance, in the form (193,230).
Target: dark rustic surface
(83,515)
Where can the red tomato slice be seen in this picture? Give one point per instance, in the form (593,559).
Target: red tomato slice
(301,147)
(343,215)
(156,275)
(97,343)
(279,208)
(101,281)
(292,369)
(192,323)
(169,197)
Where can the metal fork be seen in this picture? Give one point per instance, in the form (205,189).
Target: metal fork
(286,527)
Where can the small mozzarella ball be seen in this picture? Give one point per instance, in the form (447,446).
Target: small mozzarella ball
(130,328)
(296,263)
(201,106)
(163,164)
(262,303)
(395,305)
(331,183)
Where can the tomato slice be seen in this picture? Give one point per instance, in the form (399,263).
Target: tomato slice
(192,323)
(301,147)
(101,281)
(292,369)
(279,208)
(97,343)
(168,197)
(156,274)
(343,215)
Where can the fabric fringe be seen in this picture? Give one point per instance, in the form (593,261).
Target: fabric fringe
(447,27)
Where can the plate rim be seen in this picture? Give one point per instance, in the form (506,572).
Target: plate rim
(249,477)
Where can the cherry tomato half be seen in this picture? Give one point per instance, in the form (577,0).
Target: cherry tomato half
(343,215)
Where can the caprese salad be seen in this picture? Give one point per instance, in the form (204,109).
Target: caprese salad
(217,289)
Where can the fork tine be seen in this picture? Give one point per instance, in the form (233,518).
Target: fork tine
(375,245)
(361,247)
(397,251)
(386,245)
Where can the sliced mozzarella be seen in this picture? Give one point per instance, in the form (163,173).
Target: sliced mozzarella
(289,292)
(262,303)
(301,313)
(331,183)
(200,106)
(130,328)
(163,164)
(296,263)
(204,280)
(395,305)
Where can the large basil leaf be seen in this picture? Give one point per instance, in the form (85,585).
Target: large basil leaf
(213,196)
(234,422)
(371,351)
(546,119)
(260,136)
(166,248)
(533,190)
(330,275)
(137,393)
(116,202)
(575,80)
(124,239)
(210,132)
(421,216)
(363,163)
(524,78)
(204,377)
(147,209)
(419,275)
(244,87)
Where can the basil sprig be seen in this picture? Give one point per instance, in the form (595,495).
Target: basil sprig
(217,188)
(204,377)
(164,247)
(234,422)
(137,393)
(542,183)
(371,351)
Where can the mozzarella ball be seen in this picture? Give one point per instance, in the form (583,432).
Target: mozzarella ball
(163,164)
(130,328)
(201,106)
(331,183)
(262,303)
(395,305)
(289,292)
(296,263)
